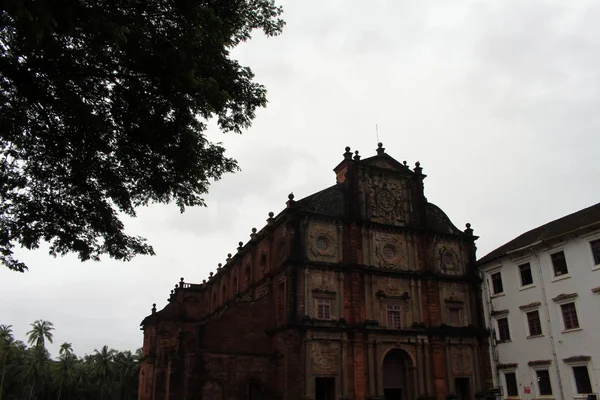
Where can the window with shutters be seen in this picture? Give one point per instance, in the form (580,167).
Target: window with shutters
(559,262)
(526,276)
(569,314)
(503,330)
(497,286)
(535,325)
(595,246)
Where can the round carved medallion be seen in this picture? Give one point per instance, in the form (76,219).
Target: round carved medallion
(385,199)
(322,243)
(448,260)
(389,252)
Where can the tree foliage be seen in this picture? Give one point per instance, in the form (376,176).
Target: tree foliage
(103,108)
(30,372)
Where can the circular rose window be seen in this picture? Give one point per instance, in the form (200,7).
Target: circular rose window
(322,243)
(389,252)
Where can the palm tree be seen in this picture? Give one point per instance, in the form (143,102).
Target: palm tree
(127,368)
(103,367)
(41,331)
(6,340)
(35,368)
(64,372)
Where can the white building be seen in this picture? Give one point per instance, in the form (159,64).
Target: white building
(542,303)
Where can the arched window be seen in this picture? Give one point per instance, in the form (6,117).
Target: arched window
(247,273)
(263,261)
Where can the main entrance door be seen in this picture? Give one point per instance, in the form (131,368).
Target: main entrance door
(398,376)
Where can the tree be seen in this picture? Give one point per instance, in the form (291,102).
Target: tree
(6,340)
(103,109)
(103,368)
(40,332)
(64,371)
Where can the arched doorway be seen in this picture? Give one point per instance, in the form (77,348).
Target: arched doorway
(398,376)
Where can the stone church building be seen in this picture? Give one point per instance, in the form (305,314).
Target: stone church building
(364,290)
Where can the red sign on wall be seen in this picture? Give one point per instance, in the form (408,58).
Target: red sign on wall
(527,389)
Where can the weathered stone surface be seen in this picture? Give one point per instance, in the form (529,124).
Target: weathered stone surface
(358,282)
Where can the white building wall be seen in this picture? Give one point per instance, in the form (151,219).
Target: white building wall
(555,343)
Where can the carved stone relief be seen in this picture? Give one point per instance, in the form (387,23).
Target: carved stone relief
(325,357)
(212,391)
(448,258)
(389,251)
(323,242)
(386,201)
(461,360)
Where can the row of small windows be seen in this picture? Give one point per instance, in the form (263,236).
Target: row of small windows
(394,313)
(569,316)
(581,378)
(559,264)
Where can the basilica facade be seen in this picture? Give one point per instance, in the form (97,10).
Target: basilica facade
(364,290)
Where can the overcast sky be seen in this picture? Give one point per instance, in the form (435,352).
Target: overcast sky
(498,100)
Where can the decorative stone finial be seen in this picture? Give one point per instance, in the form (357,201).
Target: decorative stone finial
(468,231)
(271,214)
(240,246)
(219,265)
(172,291)
(356,156)
(154,308)
(176,286)
(270,219)
(290,201)
(204,281)
(181,282)
(348,154)
(253,234)
(380,148)
(228,257)
(404,163)
(210,275)
(418,168)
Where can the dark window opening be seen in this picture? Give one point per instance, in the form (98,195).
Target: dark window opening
(394,317)
(582,379)
(323,309)
(503,331)
(596,251)
(324,388)
(560,263)
(454,316)
(497,286)
(254,392)
(544,385)
(535,325)
(511,384)
(570,316)
(263,260)
(462,388)
(526,276)
(281,303)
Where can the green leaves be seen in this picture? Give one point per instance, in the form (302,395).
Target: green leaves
(101,109)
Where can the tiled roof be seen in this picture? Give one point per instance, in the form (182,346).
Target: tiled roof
(586,217)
